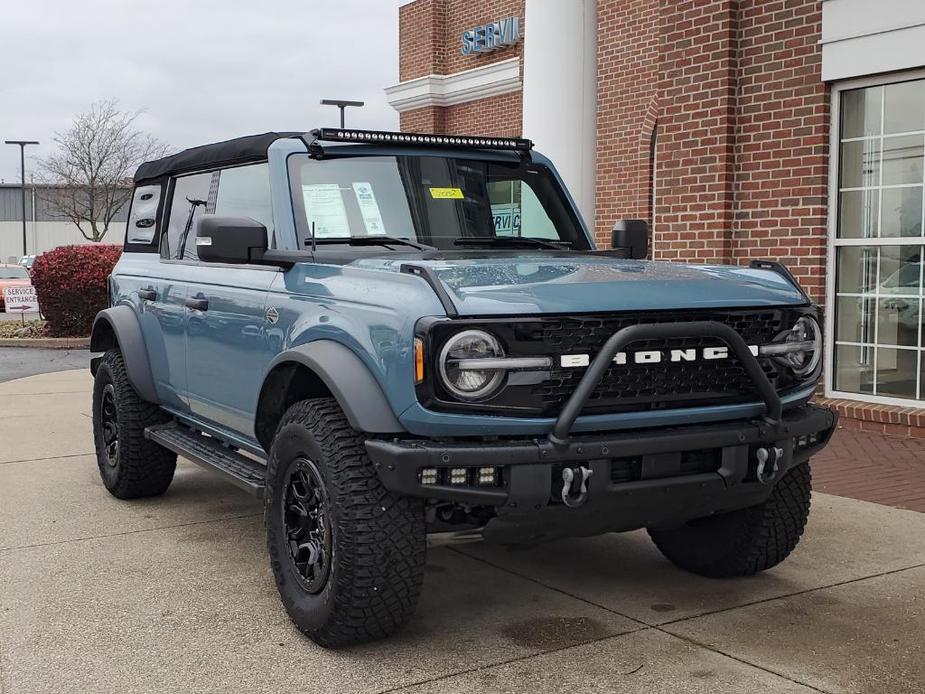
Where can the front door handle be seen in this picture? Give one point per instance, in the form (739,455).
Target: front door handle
(198,303)
(148,294)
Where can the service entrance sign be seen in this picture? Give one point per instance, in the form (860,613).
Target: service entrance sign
(20,300)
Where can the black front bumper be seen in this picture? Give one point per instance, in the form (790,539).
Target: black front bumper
(661,489)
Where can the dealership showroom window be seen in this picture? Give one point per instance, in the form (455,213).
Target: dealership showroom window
(878,241)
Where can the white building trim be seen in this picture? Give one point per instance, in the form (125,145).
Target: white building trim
(560,92)
(459,88)
(861,37)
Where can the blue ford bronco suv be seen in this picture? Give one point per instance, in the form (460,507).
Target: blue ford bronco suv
(389,335)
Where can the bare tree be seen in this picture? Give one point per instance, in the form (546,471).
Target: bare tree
(90,175)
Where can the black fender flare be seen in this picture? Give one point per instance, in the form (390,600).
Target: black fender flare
(118,327)
(350,381)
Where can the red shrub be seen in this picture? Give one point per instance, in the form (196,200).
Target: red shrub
(71,283)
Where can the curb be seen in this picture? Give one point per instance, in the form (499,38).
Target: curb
(46,342)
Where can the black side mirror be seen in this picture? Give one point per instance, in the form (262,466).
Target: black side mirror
(230,239)
(631,235)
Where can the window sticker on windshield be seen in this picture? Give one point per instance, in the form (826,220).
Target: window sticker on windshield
(324,207)
(369,208)
(446,193)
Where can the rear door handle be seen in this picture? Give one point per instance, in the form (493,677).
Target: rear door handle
(198,303)
(148,294)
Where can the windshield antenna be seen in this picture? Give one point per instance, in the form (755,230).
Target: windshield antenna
(313,237)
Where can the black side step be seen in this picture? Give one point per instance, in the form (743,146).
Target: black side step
(203,450)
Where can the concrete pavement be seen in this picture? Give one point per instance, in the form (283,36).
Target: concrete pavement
(174,594)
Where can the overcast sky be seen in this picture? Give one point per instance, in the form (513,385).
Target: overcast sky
(201,70)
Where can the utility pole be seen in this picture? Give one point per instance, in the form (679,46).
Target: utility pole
(342,104)
(22,169)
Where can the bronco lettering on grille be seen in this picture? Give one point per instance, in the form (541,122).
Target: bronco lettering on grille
(655,356)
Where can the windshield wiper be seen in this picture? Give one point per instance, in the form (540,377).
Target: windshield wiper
(512,241)
(375,241)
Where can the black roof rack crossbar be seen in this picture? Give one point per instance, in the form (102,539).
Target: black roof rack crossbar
(386,137)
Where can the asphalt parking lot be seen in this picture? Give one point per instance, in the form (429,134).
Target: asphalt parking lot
(174,594)
(19,362)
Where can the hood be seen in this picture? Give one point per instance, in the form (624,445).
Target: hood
(517,285)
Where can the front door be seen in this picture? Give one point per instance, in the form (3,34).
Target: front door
(228,349)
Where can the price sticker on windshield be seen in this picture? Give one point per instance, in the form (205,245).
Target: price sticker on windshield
(446,193)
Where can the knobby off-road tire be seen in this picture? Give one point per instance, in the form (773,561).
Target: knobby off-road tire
(130,465)
(371,543)
(742,543)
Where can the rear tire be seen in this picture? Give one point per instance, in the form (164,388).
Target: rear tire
(347,555)
(742,543)
(130,465)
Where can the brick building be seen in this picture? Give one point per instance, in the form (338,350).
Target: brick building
(788,129)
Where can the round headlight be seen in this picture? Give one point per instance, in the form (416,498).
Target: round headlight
(460,375)
(803,345)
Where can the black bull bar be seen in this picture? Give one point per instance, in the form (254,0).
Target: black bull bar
(653,331)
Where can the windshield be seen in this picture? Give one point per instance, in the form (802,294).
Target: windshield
(12,272)
(432,200)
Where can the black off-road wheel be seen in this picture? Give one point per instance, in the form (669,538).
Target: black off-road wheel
(742,543)
(130,465)
(347,555)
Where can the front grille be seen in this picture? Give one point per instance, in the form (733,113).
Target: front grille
(665,384)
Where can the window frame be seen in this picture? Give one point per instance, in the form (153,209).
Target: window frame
(833,243)
(167,206)
(154,245)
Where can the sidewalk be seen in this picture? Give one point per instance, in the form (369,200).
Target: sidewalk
(175,595)
(873,467)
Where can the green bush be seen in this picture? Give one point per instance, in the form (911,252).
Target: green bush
(71,284)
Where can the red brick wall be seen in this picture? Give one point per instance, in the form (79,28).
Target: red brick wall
(628,69)
(430,33)
(735,89)
(782,139)
(696,112)
(421,36)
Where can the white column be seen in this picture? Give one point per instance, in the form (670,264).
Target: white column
(560,91)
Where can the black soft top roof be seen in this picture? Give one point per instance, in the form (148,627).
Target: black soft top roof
(240,150)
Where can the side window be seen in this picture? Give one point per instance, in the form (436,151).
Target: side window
(517,211)
(191,197)
(142,220)
(244,191)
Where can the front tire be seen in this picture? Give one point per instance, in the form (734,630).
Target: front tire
(742,543)
(130,465)
(347,555)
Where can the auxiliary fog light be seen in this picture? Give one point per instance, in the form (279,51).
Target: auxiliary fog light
(488,476)
(429,475)
(459,475)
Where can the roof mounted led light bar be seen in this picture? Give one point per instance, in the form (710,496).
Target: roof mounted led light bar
(385,137)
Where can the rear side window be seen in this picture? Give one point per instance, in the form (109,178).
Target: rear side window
(242,191)
(142,220)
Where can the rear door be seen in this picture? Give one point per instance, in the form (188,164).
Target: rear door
(157,292)
(228,349)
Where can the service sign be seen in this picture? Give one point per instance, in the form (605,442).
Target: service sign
(20,300)
(491,37)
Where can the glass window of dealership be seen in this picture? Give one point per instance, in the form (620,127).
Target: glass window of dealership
(878,241)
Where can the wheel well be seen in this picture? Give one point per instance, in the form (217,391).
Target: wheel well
(103,336)
(285,385)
